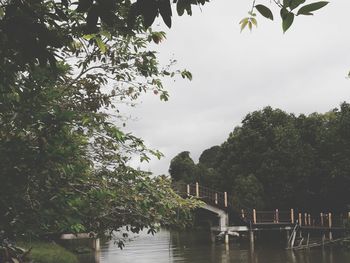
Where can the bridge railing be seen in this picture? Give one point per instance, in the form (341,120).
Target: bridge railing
(325,220)
(252,216)
(275,216)
(265,217)
(217,198)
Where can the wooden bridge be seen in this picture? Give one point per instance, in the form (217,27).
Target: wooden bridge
(252,220)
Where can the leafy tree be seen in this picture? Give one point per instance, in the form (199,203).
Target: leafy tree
(248,191)
(278,160)
(65,157)
(69,163)
(209,156)
(182,168)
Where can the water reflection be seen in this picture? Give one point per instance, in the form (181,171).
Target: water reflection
(195,247)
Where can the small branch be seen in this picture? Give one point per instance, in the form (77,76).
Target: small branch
(253,6)
(278,3)
(83,72)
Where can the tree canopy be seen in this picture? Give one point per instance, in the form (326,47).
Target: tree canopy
(279,160)
(65,154)
(46,31)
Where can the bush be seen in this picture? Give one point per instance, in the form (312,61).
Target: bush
(49,253)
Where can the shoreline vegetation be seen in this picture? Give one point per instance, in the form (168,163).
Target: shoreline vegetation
(48,252)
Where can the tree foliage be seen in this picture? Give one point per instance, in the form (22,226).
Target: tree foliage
(287,12)
(275,159)
(182,168)
(65,68)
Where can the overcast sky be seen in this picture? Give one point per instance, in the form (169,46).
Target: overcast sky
(235,73)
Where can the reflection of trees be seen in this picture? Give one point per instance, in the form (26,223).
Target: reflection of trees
(196,247)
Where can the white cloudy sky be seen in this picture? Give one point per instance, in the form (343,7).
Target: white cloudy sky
(302,71)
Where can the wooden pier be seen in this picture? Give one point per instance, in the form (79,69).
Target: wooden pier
(295,223)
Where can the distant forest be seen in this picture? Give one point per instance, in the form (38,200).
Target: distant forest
(278,160)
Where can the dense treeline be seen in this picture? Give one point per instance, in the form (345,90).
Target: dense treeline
(275,159)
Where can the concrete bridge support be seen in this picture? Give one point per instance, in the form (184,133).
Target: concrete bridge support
(223,216)
(223,219)
(87,239)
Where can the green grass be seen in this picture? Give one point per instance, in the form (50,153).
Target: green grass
(43,252)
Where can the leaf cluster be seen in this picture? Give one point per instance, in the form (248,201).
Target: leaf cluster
(287,12)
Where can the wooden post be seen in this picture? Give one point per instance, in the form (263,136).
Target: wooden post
(216,198)
(321,217)
(330,225)
(292,215)
(276,216)
(305,219)
(225,196)
(349,215)
(329,220)
(254,216)
(197,189)
(242,213)
(309,219)
(188,190)
(299,219)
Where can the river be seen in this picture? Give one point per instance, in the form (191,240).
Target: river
(195,247)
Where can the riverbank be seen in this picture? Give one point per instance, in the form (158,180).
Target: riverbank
(48,252)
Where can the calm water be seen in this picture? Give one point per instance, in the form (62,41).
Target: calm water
(170,247)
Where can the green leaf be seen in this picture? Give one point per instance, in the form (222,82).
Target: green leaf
(106,34)
(253,20)
(165,11)
(284,12)
(149,14)
(117,134)
(287,21)
(101,45)
(186,74)
(250,25)
(180,7)
(295,3)
(264,11)
(286,3)
(89,36)
(307,9)
(244,23)
(2,12)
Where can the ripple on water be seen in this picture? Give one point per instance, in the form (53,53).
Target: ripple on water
(166,247)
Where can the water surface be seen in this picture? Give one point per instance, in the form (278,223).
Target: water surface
(195,247)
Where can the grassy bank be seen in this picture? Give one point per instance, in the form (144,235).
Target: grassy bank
(43,252)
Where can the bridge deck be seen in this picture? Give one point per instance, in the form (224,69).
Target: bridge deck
(221,204)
